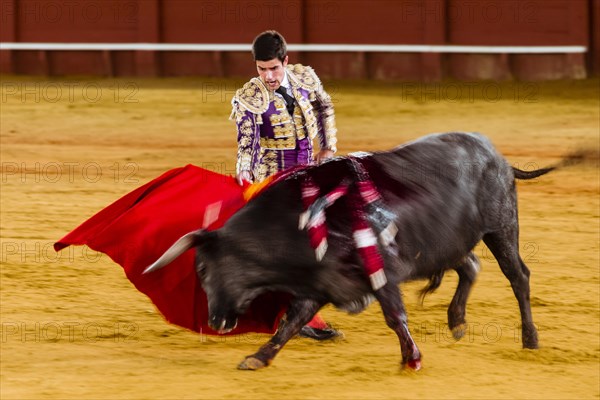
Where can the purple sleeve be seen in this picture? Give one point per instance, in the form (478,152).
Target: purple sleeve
(326,120)
(248,136)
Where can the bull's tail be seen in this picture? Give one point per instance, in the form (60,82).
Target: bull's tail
(183,244)
(520,174)
(580,156)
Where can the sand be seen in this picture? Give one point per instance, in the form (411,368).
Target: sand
(74,327)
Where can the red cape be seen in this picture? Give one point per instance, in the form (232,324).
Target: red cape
(139,227)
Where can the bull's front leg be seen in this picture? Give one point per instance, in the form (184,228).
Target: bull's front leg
(390,299)
(298,314)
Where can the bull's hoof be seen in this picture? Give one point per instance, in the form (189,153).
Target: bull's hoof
(459,331)
(531,345)
(414,365)
(530,340)
(251,364)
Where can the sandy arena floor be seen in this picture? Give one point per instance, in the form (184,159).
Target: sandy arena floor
(74,327)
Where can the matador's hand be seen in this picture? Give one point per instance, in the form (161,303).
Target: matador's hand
(244,175)
(324,155)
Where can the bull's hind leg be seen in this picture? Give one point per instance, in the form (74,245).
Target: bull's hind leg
(504,245)
(467,272)
(298,314)
(390,300)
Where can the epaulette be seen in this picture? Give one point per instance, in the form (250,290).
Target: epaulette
(304,76)
(253,96)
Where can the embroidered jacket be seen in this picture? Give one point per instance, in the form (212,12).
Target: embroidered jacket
(269,138)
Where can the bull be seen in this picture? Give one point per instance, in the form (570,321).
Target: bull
(447,192)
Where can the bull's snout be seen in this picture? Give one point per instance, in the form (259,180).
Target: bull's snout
(221,324)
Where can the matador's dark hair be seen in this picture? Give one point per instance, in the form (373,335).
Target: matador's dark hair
(269,45)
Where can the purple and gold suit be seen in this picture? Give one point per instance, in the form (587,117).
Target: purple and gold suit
(269,138)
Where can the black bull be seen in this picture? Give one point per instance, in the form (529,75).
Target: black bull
(447,192)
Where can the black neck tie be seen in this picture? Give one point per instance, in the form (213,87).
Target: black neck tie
(289,100)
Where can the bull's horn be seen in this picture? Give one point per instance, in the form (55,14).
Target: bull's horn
(183,244)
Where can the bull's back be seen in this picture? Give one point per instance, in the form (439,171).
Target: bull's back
(439,187)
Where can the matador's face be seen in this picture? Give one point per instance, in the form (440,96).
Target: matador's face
(272,72)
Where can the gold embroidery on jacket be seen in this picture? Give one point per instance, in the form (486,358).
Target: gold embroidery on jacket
(280,119)
(253,96)
(283,131)
(267,165)
(303,76)
(278,144)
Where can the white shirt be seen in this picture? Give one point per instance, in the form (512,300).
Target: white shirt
(287,85)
